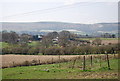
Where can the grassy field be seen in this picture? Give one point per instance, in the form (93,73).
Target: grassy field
(3,44)
(33,43)
(65,71)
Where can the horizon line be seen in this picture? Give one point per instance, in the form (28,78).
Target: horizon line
(54,21)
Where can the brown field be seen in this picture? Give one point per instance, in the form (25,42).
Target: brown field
(106,42)
(23,60)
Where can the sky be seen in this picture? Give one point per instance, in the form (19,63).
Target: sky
(73,11)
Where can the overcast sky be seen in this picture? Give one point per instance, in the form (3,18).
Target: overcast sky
(75,11)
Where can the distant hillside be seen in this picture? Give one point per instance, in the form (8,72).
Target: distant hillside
(57,26)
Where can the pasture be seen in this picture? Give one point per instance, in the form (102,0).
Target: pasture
(63,71)
(3,44)
(69,67)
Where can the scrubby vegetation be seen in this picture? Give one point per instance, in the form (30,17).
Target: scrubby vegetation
(57,50)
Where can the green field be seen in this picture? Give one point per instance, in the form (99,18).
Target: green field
(3,44)
(64,71)
(34,43)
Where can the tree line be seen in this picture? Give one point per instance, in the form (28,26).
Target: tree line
(54,50)
(54,43)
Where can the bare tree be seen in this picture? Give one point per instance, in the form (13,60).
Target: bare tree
(64,37)
(10,37)
(24,38)
(47,41)
(97,41)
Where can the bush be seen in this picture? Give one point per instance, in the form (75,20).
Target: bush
(56,50)
(53,51)
(33,51)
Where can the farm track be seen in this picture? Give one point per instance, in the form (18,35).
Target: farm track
(27,60)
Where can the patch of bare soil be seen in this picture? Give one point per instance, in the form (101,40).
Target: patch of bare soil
(106,42)
(96,75)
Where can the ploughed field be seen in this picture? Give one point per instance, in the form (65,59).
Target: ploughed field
(28,60)
(25,60)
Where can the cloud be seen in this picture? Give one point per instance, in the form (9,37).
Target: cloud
(66,2)
(32,1)
(69,2)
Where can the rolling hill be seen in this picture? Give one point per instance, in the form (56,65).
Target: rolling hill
(58,26)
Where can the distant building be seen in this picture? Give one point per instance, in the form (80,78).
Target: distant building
(55,40)
(37,37)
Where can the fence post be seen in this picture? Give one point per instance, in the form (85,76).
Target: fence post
(91,60)
(59,60)
(105,58)
(108,62)
(52,60)
(100,60)
(73,63)
(39,62)
(114,55)
(84,63)
(13,63)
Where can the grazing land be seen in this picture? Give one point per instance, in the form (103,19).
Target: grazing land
(3,44)
(65,70)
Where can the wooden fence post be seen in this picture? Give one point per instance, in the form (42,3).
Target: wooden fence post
(91,60)
(105,57)
(13,63)
(73,63)
(108,62)
(100,61)
(59,60)
(114,55)
(84,63)
(52,60)
(39,62)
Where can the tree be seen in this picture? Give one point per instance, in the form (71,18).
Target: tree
(113,36)
(47,41)
(10,37)
(24,38)
(64,37)
(53,35)
(53,51)
(97,41)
